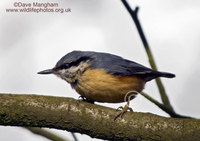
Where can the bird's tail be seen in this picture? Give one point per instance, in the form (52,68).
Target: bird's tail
(155,74)
(166,74)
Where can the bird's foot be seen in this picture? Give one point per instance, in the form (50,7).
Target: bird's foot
(123,110)
(129,95)
(82,98)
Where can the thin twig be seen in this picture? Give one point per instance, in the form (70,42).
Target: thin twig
(46,134)
(74,136)
(49,135)
(161,88)
(163,107)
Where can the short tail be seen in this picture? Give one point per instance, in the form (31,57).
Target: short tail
(155,74)
(166,74)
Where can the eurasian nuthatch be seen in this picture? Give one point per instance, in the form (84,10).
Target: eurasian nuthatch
(103,77)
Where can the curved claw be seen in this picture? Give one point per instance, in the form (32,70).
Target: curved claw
(130,109)
(126,107)
(119,108)
(82,98)
(123,110)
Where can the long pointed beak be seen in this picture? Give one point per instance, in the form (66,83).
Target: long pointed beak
(49,71)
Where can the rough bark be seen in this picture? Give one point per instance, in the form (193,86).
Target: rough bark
(93,120)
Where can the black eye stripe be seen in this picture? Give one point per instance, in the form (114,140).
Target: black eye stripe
(75,63)
(64,66)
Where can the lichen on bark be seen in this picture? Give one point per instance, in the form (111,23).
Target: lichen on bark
(93,120)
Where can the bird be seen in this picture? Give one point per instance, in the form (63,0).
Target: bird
(103,77)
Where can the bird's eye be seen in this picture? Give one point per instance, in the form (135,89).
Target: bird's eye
(73,63)
(64,66)
(77,62)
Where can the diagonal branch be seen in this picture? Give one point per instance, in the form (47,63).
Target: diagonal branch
(74,136)
(93,120)
(161,88)
(46,134)
(163,107)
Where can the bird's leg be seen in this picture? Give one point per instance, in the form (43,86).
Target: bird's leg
(123,110)
(82,98)
(119,108)
(126,107)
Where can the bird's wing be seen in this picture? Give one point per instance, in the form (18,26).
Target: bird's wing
(121,67)
(113,64)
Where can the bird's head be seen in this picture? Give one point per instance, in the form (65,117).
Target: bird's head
(70,66)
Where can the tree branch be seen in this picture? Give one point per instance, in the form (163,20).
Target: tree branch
(163,107)
(74,136)
(161,88)
(93,120)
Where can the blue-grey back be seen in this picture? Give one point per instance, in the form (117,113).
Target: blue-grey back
(113,64)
